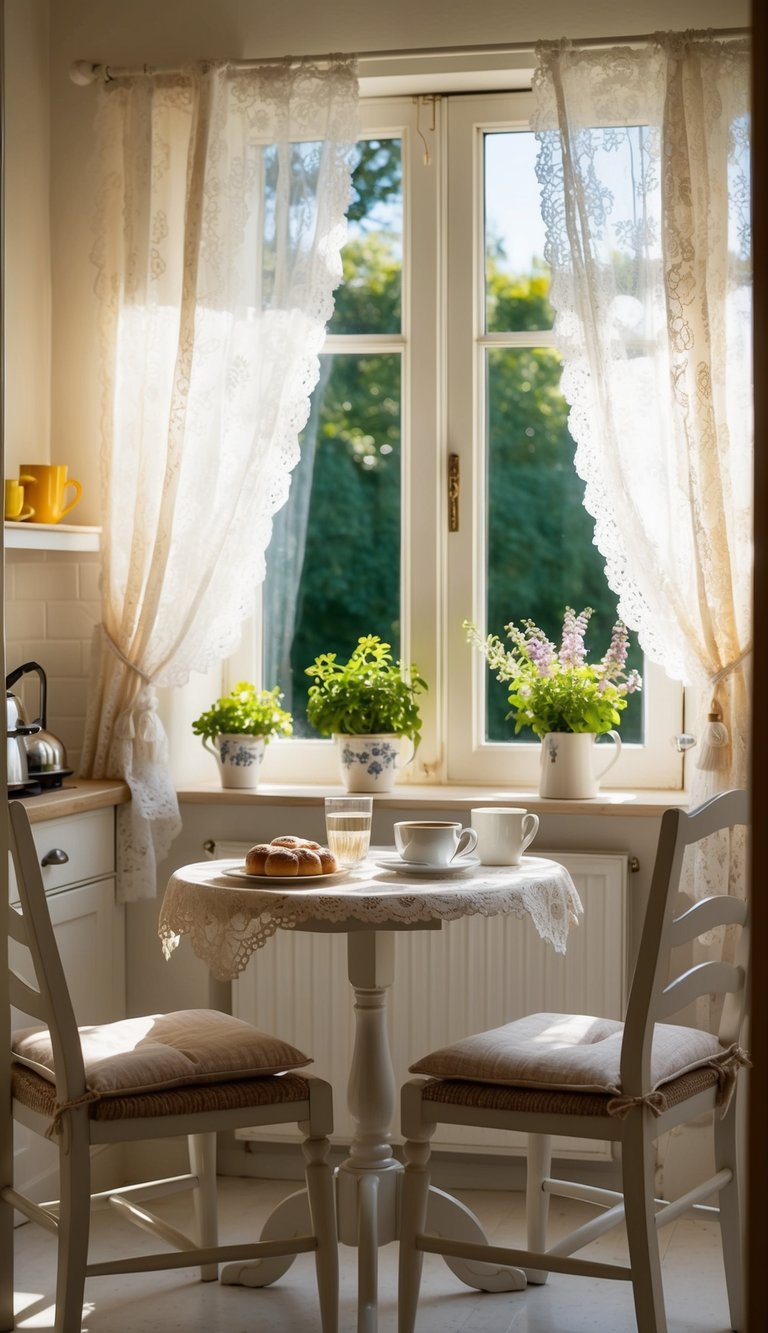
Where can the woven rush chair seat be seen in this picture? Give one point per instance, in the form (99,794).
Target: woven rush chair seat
(37,1093)
(579,1076)
(194,1073)
(549,1101)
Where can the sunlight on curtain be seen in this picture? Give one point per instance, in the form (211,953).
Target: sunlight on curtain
(218,234)
(644,170)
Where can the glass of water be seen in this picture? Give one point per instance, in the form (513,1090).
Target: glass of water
(348,827)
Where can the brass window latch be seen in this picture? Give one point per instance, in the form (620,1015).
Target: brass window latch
(453,492)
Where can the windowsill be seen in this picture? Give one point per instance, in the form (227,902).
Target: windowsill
(623,803)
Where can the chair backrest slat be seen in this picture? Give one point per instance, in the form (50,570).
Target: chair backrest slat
(54,1006)
(25,998)
(706,915)
(710,978)
(17,926)
(655,992)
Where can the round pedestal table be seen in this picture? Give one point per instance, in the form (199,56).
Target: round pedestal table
(227,919)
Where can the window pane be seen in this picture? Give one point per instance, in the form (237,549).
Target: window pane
(369,299)
(333,565)
(539,537)
(516,276)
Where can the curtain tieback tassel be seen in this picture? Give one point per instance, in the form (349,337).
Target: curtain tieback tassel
(715,753)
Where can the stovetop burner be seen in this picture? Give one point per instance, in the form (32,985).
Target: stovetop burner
(39,783)
(18,789)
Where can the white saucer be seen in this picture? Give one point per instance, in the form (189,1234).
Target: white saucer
(241,876)
(410,868)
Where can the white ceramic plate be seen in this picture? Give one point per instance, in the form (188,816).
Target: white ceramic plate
(411,868)
(239,874)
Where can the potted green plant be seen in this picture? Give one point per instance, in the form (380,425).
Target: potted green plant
(564,699)
(236,729)
(369,704)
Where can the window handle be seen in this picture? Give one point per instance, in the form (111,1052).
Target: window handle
(56,857)
(454,486)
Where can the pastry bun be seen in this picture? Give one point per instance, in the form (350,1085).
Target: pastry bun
(309,862)
(328,862)
(282,861)
(256,859)
(289,855)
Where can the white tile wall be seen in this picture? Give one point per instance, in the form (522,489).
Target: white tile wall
(52,605)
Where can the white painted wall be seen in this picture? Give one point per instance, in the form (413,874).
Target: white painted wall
(27,235)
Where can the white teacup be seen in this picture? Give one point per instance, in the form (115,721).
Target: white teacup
(503,833)
(433,842)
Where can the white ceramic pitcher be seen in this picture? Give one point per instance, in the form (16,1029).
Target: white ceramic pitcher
(568,765)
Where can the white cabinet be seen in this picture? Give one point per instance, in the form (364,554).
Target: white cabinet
(77,856)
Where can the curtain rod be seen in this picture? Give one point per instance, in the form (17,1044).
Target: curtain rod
(84,72)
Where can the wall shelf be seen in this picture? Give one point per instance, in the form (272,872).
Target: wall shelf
(50,537)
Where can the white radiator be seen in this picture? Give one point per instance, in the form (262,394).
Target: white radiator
(474,973)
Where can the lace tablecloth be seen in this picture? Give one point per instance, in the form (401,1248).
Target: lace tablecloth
(228,922)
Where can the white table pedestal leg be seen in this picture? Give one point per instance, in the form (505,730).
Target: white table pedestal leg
(449,1217)
(290,1218)
(367,1182)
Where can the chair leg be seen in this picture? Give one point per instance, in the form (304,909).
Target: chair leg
(322,1210)
(638,1162)
(731,1221)
(414,1196)
(6,1267)
(537,1200)
(74,1221)
(202,1163)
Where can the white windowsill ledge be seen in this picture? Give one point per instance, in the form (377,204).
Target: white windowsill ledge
(642,804)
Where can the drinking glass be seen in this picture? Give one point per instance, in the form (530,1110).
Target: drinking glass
(348,827)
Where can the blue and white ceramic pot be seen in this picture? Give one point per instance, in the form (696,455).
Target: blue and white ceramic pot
(239,759)
(370,763)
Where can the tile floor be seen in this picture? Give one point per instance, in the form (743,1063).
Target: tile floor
(149,1303)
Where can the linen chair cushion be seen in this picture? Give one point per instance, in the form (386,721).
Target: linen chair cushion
(566,1052)
(158,1051)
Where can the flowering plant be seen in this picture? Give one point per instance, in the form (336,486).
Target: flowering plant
(551,690)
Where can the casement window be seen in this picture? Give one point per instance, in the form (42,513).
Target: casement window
(437,481)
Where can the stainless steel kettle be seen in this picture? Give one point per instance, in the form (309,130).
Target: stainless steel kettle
(17,731)
(42,751)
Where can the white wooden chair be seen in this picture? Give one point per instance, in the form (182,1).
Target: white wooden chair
(558,1074)
(192,1073)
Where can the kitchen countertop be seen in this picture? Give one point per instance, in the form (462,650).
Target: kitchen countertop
(76,796)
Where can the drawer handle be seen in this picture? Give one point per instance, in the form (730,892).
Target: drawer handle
(56,857)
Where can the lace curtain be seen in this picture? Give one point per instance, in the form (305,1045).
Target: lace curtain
(644,171)
(223,195)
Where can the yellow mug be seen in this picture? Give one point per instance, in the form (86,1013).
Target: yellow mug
(15,508)
(45,485)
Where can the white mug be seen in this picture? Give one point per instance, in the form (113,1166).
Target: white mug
(432,841)
(503,833)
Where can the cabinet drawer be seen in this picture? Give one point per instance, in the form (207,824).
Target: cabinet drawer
(82,847)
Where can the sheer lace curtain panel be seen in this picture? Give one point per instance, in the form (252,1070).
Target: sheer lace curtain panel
(220,220)
(644,171)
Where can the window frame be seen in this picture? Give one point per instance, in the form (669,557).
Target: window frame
(442,344)
(470,757)
(315,761)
